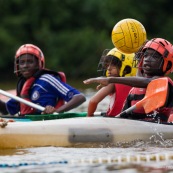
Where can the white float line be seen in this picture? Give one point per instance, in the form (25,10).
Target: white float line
(161,157)
(127,159)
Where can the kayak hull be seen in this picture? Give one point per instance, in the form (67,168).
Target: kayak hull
(79,132)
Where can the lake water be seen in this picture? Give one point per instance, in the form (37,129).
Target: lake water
(139,156)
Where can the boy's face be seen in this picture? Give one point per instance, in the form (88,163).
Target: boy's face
(28,65)
(112,65)
(152,63)
(112,70)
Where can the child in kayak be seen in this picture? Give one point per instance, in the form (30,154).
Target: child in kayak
(113,63)
(40,86)
(155,59)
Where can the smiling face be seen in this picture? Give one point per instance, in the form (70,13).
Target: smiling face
(28,65)
(152,63)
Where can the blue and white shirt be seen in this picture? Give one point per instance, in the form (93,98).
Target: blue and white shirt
(46,90)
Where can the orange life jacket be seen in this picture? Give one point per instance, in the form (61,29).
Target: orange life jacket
(137,94)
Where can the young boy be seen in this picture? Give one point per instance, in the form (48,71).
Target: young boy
(114,63)
(155,61)
(39,85)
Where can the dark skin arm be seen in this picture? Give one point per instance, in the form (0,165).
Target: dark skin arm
(73,103)
(139,82)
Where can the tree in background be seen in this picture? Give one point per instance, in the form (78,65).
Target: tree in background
(73,33)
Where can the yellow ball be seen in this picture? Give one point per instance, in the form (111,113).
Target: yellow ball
(128,35)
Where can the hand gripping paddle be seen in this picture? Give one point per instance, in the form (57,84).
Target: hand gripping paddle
(155,97)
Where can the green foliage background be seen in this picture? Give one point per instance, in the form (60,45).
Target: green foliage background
(73,33)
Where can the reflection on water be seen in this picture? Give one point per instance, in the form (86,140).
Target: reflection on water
(155,155)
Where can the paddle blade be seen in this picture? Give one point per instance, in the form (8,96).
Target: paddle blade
(156,95)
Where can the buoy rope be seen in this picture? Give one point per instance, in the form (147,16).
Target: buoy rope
(14,165)
(118,160)
(129,159)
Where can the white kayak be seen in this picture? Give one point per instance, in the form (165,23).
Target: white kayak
(83,131)
(79,132)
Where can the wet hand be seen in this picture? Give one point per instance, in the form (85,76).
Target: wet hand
(49,110)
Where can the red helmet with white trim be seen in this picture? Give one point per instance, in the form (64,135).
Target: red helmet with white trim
(29,49)
(163,47)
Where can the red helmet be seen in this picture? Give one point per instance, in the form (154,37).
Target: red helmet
(163,47)
(29,49)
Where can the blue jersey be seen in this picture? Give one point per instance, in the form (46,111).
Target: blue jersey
(46,90)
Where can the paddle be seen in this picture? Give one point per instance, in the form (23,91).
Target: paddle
(51,116)
(22,100)
(155,97)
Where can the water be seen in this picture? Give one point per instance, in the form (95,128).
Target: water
(85,160)
(137,156)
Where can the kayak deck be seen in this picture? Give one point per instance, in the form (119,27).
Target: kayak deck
(83,132)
